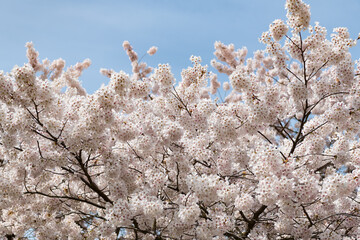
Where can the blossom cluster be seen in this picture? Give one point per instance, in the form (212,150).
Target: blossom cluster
(146,157)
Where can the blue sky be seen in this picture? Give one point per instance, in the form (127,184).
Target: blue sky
(79,29)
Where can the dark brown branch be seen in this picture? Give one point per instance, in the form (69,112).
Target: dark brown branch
(176,95)
(16,148)
(283,129)
(267,139)
(323,97)
(64,197)
(302,123)
(313,130)
(303,60)
(337,214)
(244,217)
(137,155)
(293,42)
(89,182)
(10,236)
(177,179)
(294,75)
(312,75)
(324,166)
(232,236)
(254,219)
(270,142)
(308,217)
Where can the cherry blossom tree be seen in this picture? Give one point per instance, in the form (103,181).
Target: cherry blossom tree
(145,157)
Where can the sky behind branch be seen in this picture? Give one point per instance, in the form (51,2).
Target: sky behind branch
(77,29)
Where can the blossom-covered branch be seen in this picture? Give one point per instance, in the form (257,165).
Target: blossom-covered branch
(149,157)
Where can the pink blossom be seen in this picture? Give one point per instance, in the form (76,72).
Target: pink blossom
(149,157)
